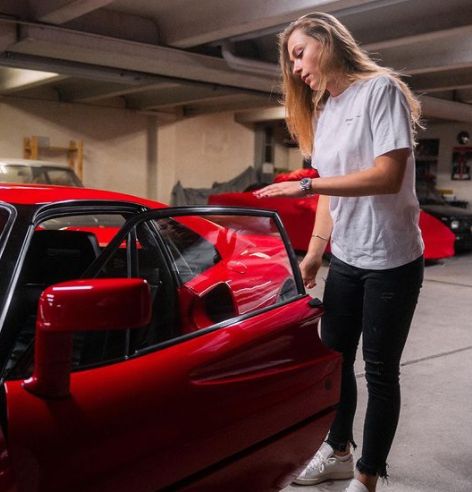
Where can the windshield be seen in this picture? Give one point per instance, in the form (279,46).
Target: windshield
(25,174)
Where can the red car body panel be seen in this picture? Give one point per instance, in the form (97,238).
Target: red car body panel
(241,404)
(38,194)
(120,422)
(298,217)
(272,456)
(438,238)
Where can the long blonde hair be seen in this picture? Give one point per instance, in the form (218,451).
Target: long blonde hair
(339,54)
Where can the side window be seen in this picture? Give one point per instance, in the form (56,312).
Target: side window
(12,173)
(202,271)
(227,266)
(64,177)
(191,252)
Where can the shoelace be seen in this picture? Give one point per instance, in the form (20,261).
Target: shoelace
(318,463)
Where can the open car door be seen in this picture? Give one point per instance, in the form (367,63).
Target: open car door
(225,385)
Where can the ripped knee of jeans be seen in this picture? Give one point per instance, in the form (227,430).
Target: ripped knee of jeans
(380,371)
(387,296)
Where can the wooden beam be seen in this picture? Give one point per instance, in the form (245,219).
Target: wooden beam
(260,115)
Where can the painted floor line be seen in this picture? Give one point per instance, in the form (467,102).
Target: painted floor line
(428,357)
(446,282)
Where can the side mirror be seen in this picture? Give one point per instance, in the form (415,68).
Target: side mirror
(81,305)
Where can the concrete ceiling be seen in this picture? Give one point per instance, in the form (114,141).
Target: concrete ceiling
(175,58)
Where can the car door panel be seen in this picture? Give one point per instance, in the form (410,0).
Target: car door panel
(157,419)
(268,466)
(177,414)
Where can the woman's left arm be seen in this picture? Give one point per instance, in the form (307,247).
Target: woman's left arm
(385,177)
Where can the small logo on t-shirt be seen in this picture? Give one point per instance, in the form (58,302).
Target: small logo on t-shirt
(352,118)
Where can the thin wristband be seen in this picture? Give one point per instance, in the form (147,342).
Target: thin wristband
(323,238)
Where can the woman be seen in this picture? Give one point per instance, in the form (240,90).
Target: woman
(357,121)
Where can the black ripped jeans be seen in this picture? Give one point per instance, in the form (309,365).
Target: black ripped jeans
(380,305)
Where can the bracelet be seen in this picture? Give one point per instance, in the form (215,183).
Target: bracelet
(323,238)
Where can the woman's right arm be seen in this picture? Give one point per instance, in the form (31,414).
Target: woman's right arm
(318,242)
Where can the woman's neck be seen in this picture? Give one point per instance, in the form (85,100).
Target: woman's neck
(338,85)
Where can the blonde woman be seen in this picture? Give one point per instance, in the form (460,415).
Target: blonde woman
(356,119)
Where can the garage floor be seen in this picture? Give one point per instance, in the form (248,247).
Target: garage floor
(433,447)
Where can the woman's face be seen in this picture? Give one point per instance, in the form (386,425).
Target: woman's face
(304,53)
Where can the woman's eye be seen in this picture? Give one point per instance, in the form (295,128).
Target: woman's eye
(299,54)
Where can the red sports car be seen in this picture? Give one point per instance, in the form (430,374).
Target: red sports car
(298,216)
(147,348)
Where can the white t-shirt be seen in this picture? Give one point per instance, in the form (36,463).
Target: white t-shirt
(370,118)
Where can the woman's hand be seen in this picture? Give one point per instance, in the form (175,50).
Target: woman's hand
(309,267)
(286,188)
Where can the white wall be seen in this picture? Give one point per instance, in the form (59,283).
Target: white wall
(287,157)
(295,158)
(114,139)
(280,156)
(447,134)
(197,151)
(201,150)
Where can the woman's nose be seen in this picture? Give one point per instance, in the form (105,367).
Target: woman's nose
(297,67)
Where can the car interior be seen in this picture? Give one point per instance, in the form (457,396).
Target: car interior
(60,255)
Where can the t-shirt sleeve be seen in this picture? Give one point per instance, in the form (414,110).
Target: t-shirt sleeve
(389,119)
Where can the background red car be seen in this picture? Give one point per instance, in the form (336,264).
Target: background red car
(145,350)
(298,216)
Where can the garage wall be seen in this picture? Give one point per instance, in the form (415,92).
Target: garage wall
(295,159)
(287,157)
(114,139)
(117,153)
(203,149)
(447,134)
(197,151)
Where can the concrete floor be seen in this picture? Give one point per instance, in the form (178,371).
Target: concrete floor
(432,450)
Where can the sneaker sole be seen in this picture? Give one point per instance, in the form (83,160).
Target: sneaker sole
(324,478)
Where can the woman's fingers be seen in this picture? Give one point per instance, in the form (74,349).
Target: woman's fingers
(309,282)
(309,269)
(287,188)
(267,191)
(308,277)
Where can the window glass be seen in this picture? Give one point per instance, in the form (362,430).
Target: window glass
(64,177)
(216,269)
(201,271)
(191,252)
(228,265)
(24,174)
(13,173)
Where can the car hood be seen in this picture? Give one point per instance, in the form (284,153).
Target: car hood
(446,211)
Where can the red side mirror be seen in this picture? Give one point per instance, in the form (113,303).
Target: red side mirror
(81,305)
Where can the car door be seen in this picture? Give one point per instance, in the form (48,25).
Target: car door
(232,371)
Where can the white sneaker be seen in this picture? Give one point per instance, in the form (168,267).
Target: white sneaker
(326,466)
(356,486)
